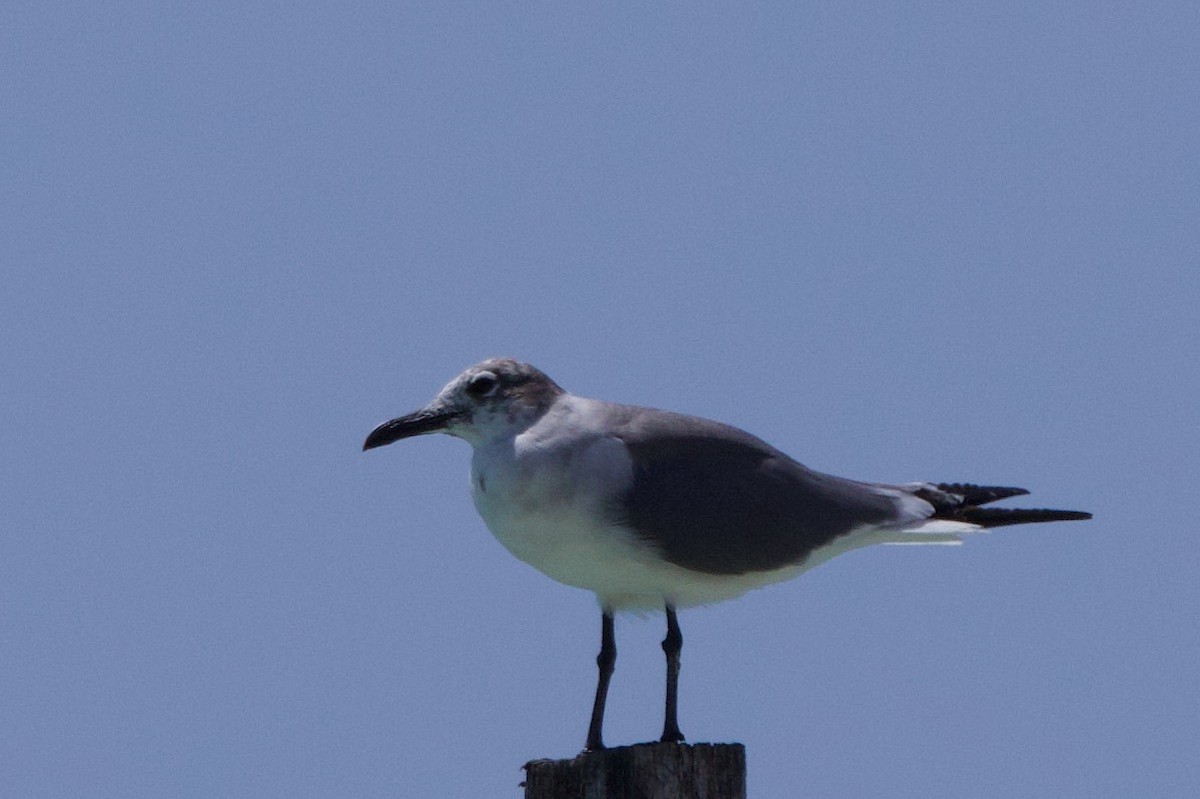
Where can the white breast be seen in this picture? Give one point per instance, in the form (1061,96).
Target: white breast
(550,502)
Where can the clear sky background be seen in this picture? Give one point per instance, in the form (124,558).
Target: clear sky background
(956,241)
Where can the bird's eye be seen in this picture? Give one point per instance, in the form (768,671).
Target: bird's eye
(482,384)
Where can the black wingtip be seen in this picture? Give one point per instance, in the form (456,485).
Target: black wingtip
(961,502)
(973,494)
(1000,517)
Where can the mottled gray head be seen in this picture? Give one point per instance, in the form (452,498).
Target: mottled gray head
(498,393)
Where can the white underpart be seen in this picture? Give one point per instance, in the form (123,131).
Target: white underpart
(548,496)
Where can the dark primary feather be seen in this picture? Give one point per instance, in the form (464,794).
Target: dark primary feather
(980,495)
(715,499)
(999,517)
(960,502)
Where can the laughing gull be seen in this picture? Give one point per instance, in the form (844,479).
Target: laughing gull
(653,510)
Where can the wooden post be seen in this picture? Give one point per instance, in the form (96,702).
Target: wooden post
(642,771)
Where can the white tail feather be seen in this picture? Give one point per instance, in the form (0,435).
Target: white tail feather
(932,531)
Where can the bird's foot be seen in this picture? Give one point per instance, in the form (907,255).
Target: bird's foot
(672,735)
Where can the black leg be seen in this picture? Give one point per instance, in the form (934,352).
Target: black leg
(605,660)
(672,644)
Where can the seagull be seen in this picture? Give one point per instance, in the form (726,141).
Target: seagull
(653,510)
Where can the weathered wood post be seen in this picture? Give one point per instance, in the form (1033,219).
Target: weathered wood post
(642,771)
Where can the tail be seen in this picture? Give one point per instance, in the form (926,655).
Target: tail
(960,502)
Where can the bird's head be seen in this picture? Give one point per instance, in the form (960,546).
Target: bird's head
(487,399)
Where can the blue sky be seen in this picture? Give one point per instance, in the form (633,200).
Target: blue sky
(949,242)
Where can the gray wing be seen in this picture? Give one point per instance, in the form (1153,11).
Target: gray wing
(716,499)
